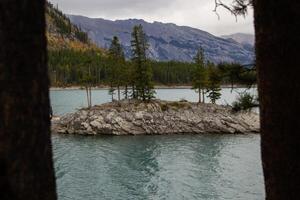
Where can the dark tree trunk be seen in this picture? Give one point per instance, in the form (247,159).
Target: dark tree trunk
(90,96)
(87,96)
(277,48)
(26,165)
(119,95)
(133,92)
(126,92)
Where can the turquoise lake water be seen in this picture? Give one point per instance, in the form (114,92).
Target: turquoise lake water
(209,167)
(65,101)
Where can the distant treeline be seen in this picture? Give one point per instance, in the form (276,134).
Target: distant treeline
(67,67)
(138,75)
(90,67)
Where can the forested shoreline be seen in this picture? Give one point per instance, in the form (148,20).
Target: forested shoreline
(77,63)
(67,67)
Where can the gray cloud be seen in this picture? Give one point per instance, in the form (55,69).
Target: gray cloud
(195,13)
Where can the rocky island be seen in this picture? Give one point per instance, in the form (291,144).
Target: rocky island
(156,117)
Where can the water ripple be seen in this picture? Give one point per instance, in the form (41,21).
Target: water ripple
(158,167)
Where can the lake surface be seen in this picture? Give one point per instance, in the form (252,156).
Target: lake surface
(209,167)
(65,101)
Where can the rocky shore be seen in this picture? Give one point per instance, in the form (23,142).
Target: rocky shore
(156,117)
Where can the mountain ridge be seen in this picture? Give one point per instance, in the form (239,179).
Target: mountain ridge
(167,40)
(243,38)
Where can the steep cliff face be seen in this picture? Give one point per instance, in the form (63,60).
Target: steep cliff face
(167,41)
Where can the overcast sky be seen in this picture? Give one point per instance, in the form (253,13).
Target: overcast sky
(194,13)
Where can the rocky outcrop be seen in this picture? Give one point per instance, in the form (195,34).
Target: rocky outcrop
(156,117)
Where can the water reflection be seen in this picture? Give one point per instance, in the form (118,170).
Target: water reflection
(136,155)
(158,167)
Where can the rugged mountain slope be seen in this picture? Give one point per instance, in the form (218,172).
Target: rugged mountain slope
(246,40)
(167,41)
(62,34)
(242,38)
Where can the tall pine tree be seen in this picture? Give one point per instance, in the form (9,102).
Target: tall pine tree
(143,85)
(214,83)
(199,76)
(117,60)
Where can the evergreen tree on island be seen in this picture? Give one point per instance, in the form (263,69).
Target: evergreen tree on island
(144,88)
(117,60)
(87,82)
(214,83)
(199,75)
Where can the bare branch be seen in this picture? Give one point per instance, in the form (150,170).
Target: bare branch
(237,8)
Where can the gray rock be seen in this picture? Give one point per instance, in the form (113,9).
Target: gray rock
(95,124)
(135,118)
